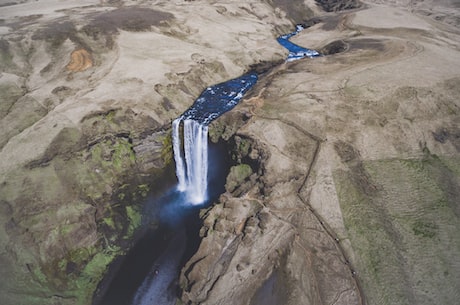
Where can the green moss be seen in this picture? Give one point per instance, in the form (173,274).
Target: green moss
(216,131)
(107,159)
(425,229)
(39,275)
(109,221)
(77,275)
(241,171)
(96,154)
(121,196)
(143,189)
(123,155)
(134,219)
(238,174)
(62,264)
(116,153)
(92,274)
(243,147)
(415,164)
(110,116)
(167,149)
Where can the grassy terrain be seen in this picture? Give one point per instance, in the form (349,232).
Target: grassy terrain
(405,234)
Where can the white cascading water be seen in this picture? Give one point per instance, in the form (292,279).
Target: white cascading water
(193,173)
(180,167)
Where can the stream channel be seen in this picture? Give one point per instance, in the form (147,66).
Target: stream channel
(149,273)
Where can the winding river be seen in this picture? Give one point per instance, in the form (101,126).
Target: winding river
(149,273)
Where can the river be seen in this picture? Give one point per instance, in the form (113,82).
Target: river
(149,273)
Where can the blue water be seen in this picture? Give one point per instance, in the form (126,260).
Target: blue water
(173,206)
(218,99)
(180,217)
(150,271)
(296,52)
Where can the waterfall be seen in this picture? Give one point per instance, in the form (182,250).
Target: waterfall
(193,173)
(191,150)
(177,149)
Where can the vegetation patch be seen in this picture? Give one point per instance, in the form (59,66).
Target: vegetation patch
(425,229)
(167,149)
(397,230)
(134,219)
(237,176)
(92,274)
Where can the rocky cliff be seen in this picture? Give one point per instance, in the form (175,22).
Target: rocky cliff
(346,187)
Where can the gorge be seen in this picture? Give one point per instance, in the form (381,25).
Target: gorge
(191,160)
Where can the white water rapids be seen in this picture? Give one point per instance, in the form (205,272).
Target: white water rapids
(191,156)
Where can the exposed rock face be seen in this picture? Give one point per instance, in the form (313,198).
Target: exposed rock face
(271,231)
(346,185)
(80,60)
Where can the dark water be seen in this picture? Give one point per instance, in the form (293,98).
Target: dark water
(218,99)
(149,273)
